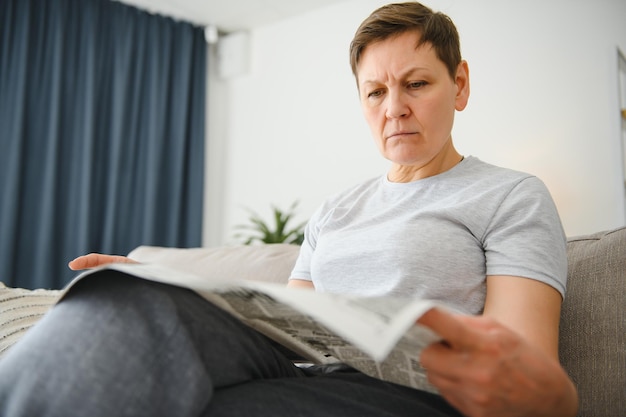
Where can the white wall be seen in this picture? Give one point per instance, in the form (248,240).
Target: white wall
(544,100)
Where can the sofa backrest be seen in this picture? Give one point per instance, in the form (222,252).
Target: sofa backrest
(269,263)
(592,343)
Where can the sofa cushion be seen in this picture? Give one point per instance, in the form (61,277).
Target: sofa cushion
(593,322)
(270,263)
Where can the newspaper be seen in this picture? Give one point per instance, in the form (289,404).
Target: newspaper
(378,336)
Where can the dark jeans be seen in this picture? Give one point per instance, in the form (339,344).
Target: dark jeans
(122,346)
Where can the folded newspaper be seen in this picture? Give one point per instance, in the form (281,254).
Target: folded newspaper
(376,335)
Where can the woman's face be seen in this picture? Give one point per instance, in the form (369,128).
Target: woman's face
(409,100)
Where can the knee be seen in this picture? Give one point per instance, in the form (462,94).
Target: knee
(112,333)
(124,302)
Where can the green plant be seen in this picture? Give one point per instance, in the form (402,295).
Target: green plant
(278,232)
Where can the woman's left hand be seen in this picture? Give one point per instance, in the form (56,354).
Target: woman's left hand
(94,260)
(485,369)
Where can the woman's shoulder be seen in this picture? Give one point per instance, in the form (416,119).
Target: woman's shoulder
(349,196)
(354,191)
(475,166)
(486,175)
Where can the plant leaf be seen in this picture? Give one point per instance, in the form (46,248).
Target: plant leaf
(278,232)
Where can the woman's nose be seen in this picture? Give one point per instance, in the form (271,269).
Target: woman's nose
(396,106)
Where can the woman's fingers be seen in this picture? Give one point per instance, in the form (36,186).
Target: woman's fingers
(459,331)
(94,260)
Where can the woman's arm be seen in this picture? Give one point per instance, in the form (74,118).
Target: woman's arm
(504,363)
(300,283)
(527,306)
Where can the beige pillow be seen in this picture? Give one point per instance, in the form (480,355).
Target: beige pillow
(270,263)
(19,310)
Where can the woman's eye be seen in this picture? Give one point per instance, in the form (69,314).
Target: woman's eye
(375,93)
(417,84)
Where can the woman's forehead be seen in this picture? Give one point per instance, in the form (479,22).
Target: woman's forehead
(396,56)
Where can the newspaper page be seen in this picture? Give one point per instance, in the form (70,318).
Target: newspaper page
(377,336)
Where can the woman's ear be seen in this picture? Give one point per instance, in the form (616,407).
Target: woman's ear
(463,86)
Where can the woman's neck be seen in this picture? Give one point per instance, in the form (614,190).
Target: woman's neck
(444,161)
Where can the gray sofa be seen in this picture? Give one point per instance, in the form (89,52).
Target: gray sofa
(593,324)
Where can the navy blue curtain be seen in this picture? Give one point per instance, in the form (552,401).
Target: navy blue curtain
(101,134)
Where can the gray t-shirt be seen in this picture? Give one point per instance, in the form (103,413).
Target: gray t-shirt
(436,238)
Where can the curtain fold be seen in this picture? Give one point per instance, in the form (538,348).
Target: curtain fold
(101,134)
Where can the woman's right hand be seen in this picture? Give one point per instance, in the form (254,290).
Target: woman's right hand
(94,260)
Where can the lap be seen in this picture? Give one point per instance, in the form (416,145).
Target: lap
(196,357)
(342,394)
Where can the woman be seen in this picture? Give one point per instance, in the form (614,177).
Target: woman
(485,240)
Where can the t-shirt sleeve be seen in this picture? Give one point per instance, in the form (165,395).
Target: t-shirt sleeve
(525,236)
